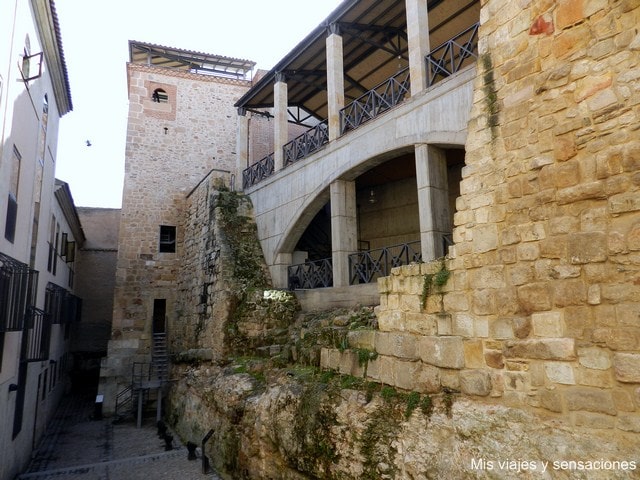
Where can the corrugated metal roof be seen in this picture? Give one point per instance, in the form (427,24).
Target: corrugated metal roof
(374,48)
(189,60)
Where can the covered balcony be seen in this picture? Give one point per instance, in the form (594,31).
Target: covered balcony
(377,83)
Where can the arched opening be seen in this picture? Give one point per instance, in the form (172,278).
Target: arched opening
(160,96)
(388,223)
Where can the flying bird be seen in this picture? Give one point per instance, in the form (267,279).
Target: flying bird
(88,143)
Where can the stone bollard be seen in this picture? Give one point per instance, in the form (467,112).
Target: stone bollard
(162,429)
(191,448)
(168,442)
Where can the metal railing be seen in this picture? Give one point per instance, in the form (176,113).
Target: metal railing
(17,293)
(124,401)
(39,335)
(453,55)
(258,171)
(376,101)
(307,143)
(365,267)
(311,274)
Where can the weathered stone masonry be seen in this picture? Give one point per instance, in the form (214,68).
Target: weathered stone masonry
(542,308)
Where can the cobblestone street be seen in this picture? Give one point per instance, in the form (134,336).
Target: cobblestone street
(76,447)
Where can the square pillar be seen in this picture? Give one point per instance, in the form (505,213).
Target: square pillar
(242,148)
(433,200)
(344,229)
(418,43)
(280,270)
(335,80)
(281,129)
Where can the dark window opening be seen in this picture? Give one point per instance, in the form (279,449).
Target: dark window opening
(159,315)
(10,221)
(160,96)
(167,239)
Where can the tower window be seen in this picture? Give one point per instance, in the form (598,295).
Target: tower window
(160,96)
(167,239)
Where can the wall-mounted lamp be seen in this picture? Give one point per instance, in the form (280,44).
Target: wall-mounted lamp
(372,197)
(166,130)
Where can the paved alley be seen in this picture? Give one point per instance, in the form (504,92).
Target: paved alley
(76,447)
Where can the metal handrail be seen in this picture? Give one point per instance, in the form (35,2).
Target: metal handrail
(448,58)
(123,398)
(304,145)
(367,266)
(311,274)
(258,171)
(376,101)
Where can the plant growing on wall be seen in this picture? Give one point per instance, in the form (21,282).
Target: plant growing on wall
(433,282)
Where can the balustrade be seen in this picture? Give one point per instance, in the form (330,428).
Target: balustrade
(307,143)
(364,267)
(451,56)
(311,274)
(376,101)
(258,171)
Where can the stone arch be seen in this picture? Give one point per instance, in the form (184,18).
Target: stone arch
(320,196)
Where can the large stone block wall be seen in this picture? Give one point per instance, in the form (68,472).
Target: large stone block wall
(542,307)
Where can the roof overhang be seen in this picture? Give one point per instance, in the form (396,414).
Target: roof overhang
(195,62)
(375,47)
(46,20)
(65,200)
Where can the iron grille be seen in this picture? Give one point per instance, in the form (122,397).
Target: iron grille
(17,292)
(376,101)
(367,266)
(311,274)
(307,143)
(258,171)
(453,55)
(39,335)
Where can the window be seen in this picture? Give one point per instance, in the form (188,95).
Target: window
(28,61)
(167,239)
(54,235)
(160,96)
(12,201)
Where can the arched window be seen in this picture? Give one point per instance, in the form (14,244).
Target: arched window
(160,96)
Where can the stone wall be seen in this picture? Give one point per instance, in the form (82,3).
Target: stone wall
(541,309)
(224,305)
(171,147)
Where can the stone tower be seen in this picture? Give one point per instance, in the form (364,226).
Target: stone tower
(181,129)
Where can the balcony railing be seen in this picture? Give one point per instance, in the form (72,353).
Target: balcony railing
(376,101)
(365,267)
(39,335)
(17,292)
(258,171)
(313,274)
(453,55)
(307,143)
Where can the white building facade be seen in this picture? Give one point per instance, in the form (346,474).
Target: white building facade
(39,230)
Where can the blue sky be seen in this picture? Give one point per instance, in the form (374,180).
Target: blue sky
(95,37)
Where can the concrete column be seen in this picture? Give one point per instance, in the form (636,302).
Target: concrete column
(242,147)
(344,229)
(281,132)
(418,43)
(280,270)
(335,80)
(433,199)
